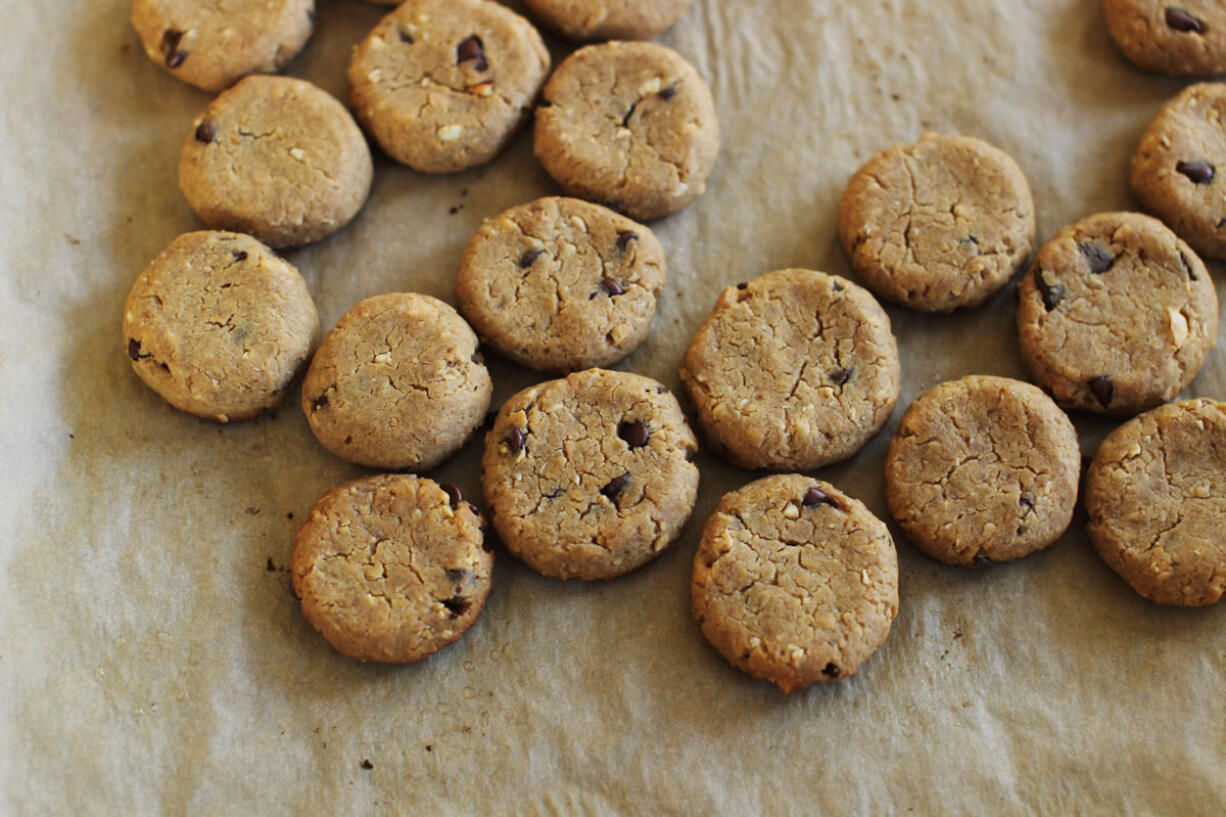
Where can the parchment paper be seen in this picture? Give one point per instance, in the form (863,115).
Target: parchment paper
(153,660)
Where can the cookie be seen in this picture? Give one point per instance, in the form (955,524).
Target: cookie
(214,44)
(983,469)
(444,84)
(1175,169)
(391,567)
(941,224)
(591,20)
(1184,40)
(561,284)
(590,476)
(1116,314)
(397,384)
(795,370)
(630,125)
(219,326)
(1154,493)
(278,158)
(794,581)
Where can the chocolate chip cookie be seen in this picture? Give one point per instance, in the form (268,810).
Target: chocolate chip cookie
(792,371)
(1188,39)
(591,476)
(592,20)
(1116,315)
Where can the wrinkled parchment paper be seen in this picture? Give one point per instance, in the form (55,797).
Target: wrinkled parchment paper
(153,660)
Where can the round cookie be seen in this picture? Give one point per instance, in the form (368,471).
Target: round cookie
(1155,495)
(1116,314)
(1175,169)
(630,125)
(391,567)
(1188,39)
(219,326)
(983,469)
(397,384)
(794,581)
(561,284)
(213,44)
(444,84)
(941,224)
(278,158)
(590,477)
(795,370)
(590,20)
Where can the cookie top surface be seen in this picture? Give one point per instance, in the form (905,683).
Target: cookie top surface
(1187,39)
(561,284)
(218,325)
(983,469)
(590,476)
(794,581)
(212,45)
(443,84)
(1156,496)
(278,158)
(1116,314)
(792,371)
(630,125)
(590,20)
(391,567)
(941,224)
(1175,169)
(397,384)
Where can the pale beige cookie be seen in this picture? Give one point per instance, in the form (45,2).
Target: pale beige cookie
(941,224)
(629,125)
(444,84)
(1116,314)
(397,384)
(561,284)
(391,567)
(590,476)
(214,43)
(219,326)
(1156,495)
(278,158)
(1185,38)
(592,20)
(983,469)
(795,370)
(794,581)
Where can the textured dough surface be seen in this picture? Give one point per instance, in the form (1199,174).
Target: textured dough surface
(1187,38)
(586,20)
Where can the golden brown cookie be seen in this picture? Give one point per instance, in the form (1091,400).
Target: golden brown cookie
(593,20)
(1187,38)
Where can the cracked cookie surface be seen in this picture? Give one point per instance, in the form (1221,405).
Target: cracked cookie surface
(398,383)
(630,125)
(561,284)
(590,476)
(794,581)
(1116,315)
(443,85)
(795,370)
(219,326)
(983,469)
(1156,496)
(391,567)
(1185,39)
(590,20)
(278,158)
(941,224)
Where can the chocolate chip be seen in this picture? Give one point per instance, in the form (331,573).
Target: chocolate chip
(457,605)
(319,402)
(472,49)
(1052,294)
(453,493)
(456,574)
(837,287)
(269,566)
(1099,259)
(1103,389)
(668,93)
(615,486)
(831,670)
(134,349)
(624,237)
(742,285)
(1198,170)
(529,258)
(366,764)
(629,113)
(612,287)
(634,433)
(205,132)
(1026,500)
(406,37)
(816,496)
(1181,21)
(1187,267)
(841,376)
(240,255)
(661,389)
(544,103)
(515,440)
(170,47)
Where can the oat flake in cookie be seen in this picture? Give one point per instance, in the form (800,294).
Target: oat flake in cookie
(219,326)
(392,567)
(792,371)
(1185,38)
(794,581)
(1116,315)
(278,158)
(590,476)
(561,284)
(593,20)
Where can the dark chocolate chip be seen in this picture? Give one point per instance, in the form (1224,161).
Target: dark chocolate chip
(1103,389)
(624,237)
(176,59)
(240,255)
(1187,268)
(406,37)
(1198,170)
(634,433)
(668,93)
(319,402)
(171,38)
(1099,259)
(831,670)
(205,132)
(515,440)
(1026,500)
(742,285)
(366,764)
(270,567)
(457,605)
(134,349)
(841,376)
(661,389)
(1052,294)
(472,49)
(611,287)
(615,486)
(529,258)
(816,496)
(453,493)
(1181,21)
(837,287)
(629,113)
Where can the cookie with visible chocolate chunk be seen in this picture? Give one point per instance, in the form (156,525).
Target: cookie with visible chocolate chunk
(1188,39)
(561,284)
(794,581)
(1116,315)
(591,476)
(391,567)
(593,20)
